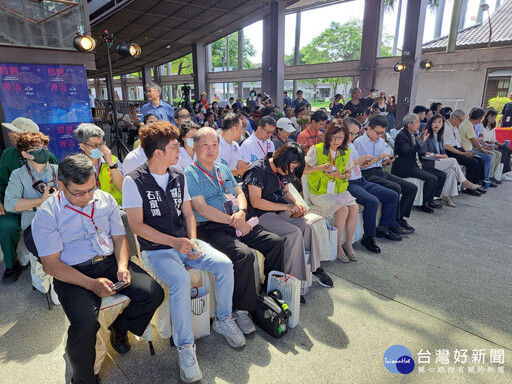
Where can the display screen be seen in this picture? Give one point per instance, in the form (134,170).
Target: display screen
(56,97)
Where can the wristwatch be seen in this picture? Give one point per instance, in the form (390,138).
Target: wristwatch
(245,211)
(113,166)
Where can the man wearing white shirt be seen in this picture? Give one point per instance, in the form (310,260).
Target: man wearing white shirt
(259,144)
(229,150)
(134,159)
(474,165)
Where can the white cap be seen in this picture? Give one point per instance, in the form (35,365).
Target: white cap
(22,124)
(286,124)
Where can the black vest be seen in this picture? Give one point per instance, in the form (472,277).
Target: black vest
(161,210)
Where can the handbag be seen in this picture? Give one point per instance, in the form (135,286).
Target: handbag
(270,316)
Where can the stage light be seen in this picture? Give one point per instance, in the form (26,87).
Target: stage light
(426,64)
(399,67)
(129,50)
(84,43)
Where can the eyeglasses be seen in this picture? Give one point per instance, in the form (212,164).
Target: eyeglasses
(269,132)
(82,194)
(337,138)
(37,148)
(94,146)
(183,116)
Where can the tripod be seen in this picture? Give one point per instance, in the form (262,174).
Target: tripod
(121,148)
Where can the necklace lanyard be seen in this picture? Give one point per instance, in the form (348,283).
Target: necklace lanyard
(83,214)
(262,150)
(278,178)
(34,180)
(330,158)
(221,181)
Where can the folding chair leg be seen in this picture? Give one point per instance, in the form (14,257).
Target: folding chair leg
(49,300)
(151,349)
(171,342)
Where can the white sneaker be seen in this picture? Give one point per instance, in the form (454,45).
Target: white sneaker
(230,331)
(189,368)
(244,322)
(506,178)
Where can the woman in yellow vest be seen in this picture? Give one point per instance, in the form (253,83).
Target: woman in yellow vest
(329,171)
(109,177)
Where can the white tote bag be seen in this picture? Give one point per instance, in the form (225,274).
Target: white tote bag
(289,287)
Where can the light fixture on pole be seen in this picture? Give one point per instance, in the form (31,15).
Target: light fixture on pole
(485,7)
(426,64)
(129,50)
(399,67)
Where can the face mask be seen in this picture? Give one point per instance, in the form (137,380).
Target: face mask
(41,156)
(252,94)
(374,94)
(190,142)
(203,110)
(96,153)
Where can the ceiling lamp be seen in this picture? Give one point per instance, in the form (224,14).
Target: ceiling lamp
(129,50)
(84,43)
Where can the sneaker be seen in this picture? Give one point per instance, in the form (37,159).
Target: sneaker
(506,178)
(230,331)
(323,278)
(244,322)
(189,369)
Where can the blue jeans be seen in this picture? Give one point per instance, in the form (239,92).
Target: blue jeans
(168,265)
(487,158)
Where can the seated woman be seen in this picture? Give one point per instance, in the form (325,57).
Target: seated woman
(187,131)
(433,155)
(327,166)
(407,148)
(148,119)
(265,185)
(489,137)
(29,187)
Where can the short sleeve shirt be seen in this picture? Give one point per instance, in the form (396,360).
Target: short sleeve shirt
(229,154)
(466,132)
(253,149)
(133,160)
(200,184)
(56,228)
(308,138)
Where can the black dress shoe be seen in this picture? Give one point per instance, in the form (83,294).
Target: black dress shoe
(495,181)
(472,192)
(369,243)
(435,205)
(426,208)
(302,300)
(97,377)
(11,274)
(405,225)
(481,190)
(493,185)
(385,232)
(119,341)
(398,230)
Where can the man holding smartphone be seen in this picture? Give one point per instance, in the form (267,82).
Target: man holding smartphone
(81,242)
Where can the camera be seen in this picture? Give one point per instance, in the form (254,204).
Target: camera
(186,90)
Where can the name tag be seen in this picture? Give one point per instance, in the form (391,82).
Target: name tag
(330,187)
(105,242)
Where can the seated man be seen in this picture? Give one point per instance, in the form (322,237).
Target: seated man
(371,143)
(259,144)
(229,151)
(160,213)
(313,134)
(220,208)
(81,242)
(369,195)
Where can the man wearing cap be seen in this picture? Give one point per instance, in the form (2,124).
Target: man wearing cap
(10,222)
(284,128)
(229,151)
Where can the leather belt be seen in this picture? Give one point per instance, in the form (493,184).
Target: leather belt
(94,260)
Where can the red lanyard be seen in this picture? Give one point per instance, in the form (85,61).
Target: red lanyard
(83,214)
(330,158)
(213,177)
(278,178)
(262,150)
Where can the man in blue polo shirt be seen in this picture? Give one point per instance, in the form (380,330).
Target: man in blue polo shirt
(157,107)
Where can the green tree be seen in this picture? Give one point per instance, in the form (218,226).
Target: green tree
(219,48)
(183,65)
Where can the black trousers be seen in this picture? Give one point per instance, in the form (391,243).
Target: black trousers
(223,238)
(434,181)
(406,191)
(82,306)
(474,166)
(505,157)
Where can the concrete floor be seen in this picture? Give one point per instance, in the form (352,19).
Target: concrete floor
(445,287)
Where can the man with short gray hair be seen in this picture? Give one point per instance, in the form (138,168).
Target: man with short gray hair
(156,106)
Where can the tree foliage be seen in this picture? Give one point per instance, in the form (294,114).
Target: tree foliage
(183,65)
(219,49)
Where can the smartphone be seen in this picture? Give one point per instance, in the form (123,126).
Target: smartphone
(40,186)
(120,285)
(195,250)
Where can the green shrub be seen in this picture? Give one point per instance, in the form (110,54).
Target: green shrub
(498,103)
